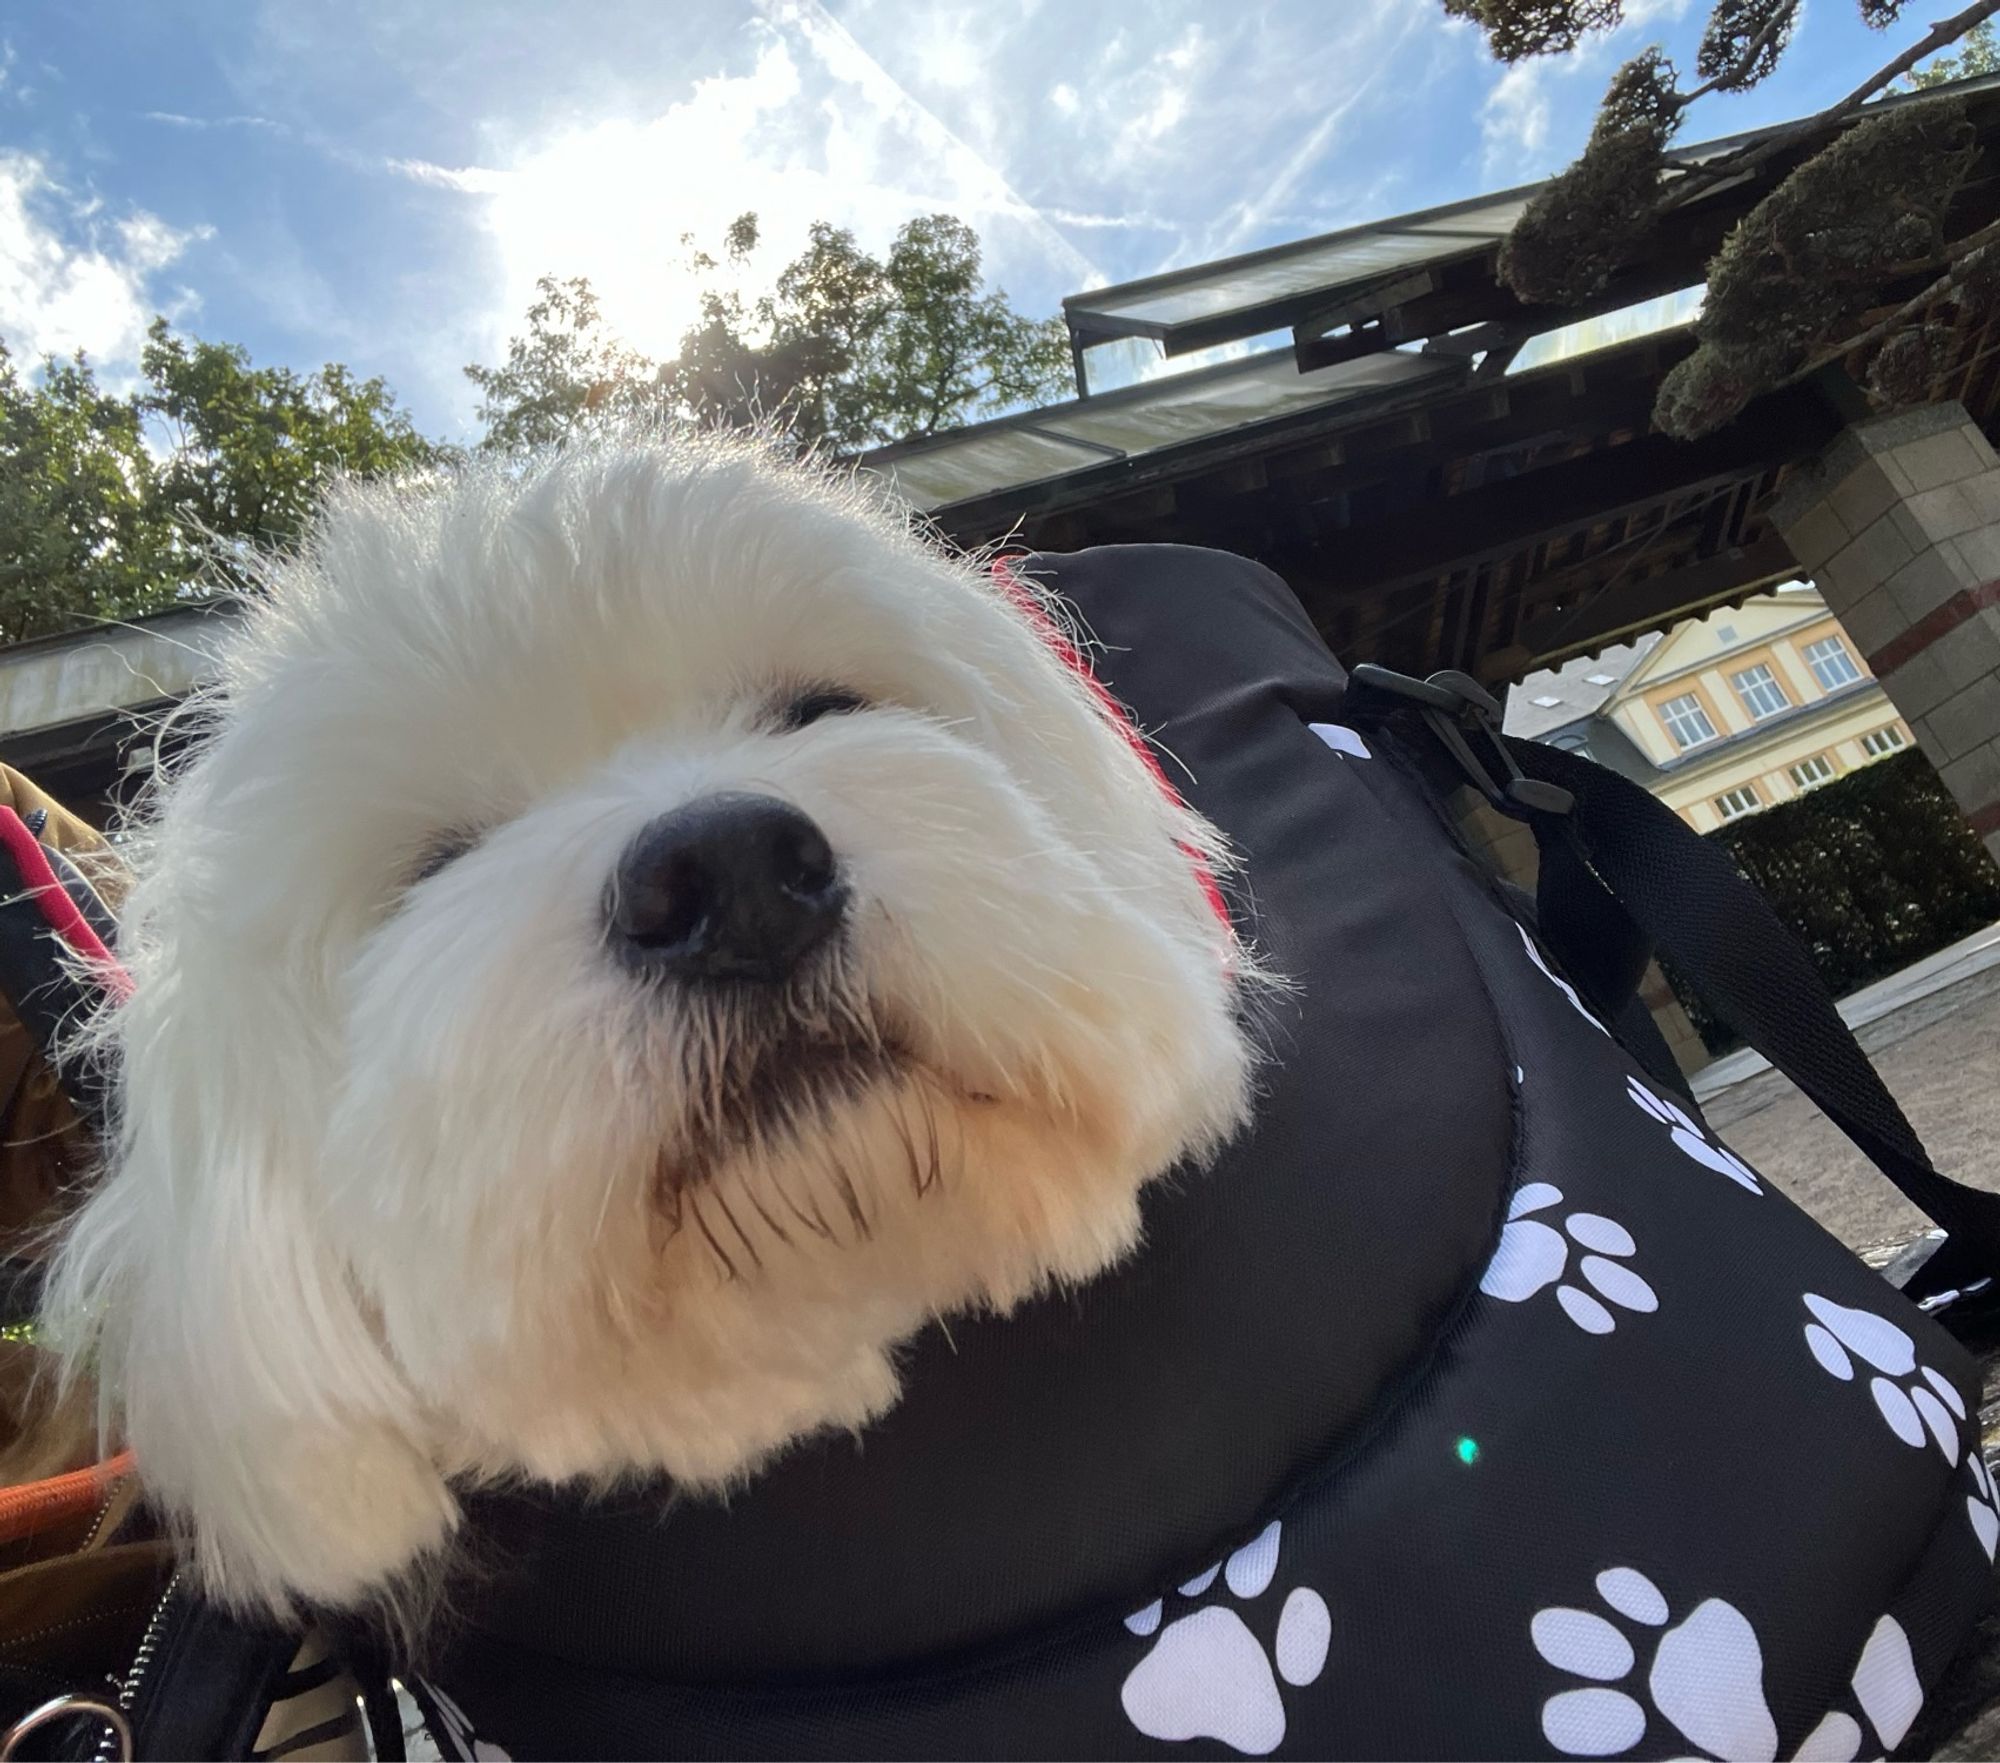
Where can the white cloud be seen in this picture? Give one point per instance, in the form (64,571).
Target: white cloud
(1063,97)
(470,180)
(69,278)
(815,130)
(175,119)
(1518,121)
(1514,123)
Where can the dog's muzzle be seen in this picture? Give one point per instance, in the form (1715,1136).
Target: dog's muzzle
(730,888)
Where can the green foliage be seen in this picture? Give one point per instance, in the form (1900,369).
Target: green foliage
(81,532)
(96,525)
(1911,363)
(250,448)
(112,506)
(1743,40)
(1795,281)
(1517,29)
(846,351)
(1871,872)
(1594,216)
(566,375)
(1796,275)
(1978,52)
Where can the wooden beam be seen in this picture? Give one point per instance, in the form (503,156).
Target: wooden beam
(1535,507)
(1632,608)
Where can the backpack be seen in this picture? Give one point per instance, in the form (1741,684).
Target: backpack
(1478,1402)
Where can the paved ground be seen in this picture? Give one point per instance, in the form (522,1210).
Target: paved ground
(1935,1037)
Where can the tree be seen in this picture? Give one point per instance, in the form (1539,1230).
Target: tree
(81,532)
(248,449)
(1979,52)
(846,350)
(1800,280)
(113,506)
(566,373)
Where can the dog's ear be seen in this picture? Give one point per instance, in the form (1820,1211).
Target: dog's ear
(199,1287)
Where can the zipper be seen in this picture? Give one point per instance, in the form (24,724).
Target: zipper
(128,1691)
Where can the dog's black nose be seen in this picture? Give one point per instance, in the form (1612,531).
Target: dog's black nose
(729,887)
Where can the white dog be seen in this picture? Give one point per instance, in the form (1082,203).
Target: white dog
(641,937)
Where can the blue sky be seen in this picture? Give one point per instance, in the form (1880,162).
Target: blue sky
(380,181)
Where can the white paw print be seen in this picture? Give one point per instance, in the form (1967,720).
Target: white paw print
(1562,985)
(1982,1507)
(1208,1676)
(1532,1256)
(1689,1137)
(1924,1401)
(1342,739)
(1706,1680)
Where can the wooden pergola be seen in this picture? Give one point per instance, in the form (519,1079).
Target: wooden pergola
(1434,499)
(1434,496)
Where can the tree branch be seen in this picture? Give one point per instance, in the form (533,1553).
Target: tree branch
(1702,178)
(1975,251)
(1744,62)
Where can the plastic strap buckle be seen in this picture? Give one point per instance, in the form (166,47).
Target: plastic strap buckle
(1460,711)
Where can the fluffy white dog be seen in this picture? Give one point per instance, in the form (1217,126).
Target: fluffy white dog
(641,936)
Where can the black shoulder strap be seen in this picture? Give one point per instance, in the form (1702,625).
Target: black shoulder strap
(1622,876)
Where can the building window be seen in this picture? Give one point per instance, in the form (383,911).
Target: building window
(1880,743)
(1761,694)
(1686,721)
(1832,666)
(1809,774)
(1732,803)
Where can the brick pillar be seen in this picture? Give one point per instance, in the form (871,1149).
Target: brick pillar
(1898,524)
(1508,848)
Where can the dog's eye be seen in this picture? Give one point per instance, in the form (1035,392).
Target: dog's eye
(439,854)
(809,707)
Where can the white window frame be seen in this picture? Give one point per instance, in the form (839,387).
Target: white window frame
(1768,683)
(1734,804)
(1825,773)
(1834,653)
(1694,711)
(1891,739)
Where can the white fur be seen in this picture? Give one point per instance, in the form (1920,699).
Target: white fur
(394,1204)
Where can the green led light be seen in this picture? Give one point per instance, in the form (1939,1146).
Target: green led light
(1468,1451)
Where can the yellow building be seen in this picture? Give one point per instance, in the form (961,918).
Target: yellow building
(1723,715)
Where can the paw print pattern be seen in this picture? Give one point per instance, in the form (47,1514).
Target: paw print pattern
(1562,985)
(1981,1506)
(1922,1401)
(1342,739)
(1533,1255)
(1689,1138)
(1208,1676)
(1706,1680)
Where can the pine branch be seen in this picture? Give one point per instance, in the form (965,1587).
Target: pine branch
(1773,26)
(1975,251)
(1700,179)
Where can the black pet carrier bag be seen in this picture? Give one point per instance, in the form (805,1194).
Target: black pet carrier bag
(1477,1403)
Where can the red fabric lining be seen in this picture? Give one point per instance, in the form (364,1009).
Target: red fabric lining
(1066,652)
(56,907)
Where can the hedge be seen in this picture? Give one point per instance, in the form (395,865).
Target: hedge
(1872,872)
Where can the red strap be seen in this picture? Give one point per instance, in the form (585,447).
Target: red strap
(57,908)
